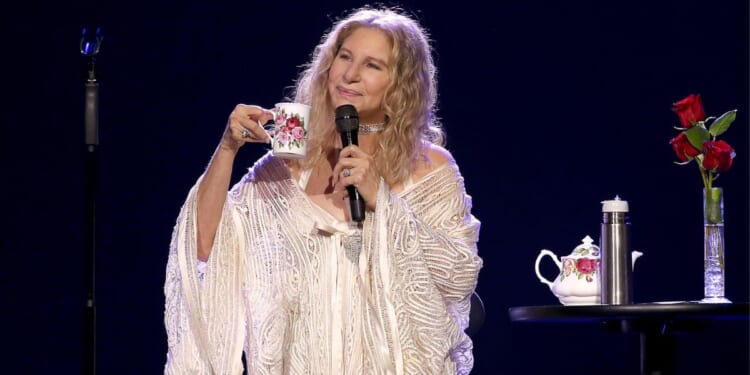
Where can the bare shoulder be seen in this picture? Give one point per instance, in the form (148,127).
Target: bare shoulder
(435,157)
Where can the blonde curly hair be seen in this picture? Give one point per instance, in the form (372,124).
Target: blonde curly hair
(409,100)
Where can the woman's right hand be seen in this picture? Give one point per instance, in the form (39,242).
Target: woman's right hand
(245,125)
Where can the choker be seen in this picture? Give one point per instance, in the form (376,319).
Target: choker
(371,128)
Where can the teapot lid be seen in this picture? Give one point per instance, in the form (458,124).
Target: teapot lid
(586,249)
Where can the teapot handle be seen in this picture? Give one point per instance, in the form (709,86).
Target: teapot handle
(539,259)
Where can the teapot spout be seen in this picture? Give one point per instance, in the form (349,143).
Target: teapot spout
(635,254)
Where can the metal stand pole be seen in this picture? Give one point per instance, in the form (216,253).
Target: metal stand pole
(90,45)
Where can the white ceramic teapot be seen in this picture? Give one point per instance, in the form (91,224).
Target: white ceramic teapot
(579,282)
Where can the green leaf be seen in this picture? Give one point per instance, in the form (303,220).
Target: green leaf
(697,135)
(721,124)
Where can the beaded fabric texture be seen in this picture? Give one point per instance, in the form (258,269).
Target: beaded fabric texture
(301,296)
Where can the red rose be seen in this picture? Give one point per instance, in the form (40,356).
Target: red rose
(292,122)
(717,156)
(689,110)
(585,265)
(682,147)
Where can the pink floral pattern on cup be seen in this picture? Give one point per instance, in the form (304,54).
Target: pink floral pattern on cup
(290,130)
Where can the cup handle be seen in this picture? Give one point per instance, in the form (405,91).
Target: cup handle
(270,126)
(541,255)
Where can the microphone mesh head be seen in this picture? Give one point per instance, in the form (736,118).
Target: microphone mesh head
(347,118)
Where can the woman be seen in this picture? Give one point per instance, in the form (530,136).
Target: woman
(284,275)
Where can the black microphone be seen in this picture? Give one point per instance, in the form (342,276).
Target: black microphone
(347,123)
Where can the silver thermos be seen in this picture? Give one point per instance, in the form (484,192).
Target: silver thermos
(616,267)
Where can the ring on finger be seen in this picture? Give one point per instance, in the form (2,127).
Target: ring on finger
(245,133)
(346,172)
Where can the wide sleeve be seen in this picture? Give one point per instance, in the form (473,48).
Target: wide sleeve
(435,220)
(425,256)
(204,318)
(448,236)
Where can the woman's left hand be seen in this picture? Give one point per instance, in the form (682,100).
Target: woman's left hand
(356,167)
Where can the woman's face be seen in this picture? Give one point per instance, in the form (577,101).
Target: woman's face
(359,73)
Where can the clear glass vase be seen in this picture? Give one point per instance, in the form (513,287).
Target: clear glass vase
(714,264)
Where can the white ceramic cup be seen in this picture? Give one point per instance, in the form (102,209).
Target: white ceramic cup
(289,133)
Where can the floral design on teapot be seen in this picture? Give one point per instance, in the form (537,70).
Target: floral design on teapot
(577,282)
(582,268)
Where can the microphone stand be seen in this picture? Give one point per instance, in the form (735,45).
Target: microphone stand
(90,44)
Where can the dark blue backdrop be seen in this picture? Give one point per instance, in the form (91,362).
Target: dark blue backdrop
(550,107)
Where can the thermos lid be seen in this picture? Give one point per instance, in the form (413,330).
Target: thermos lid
(615,205)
